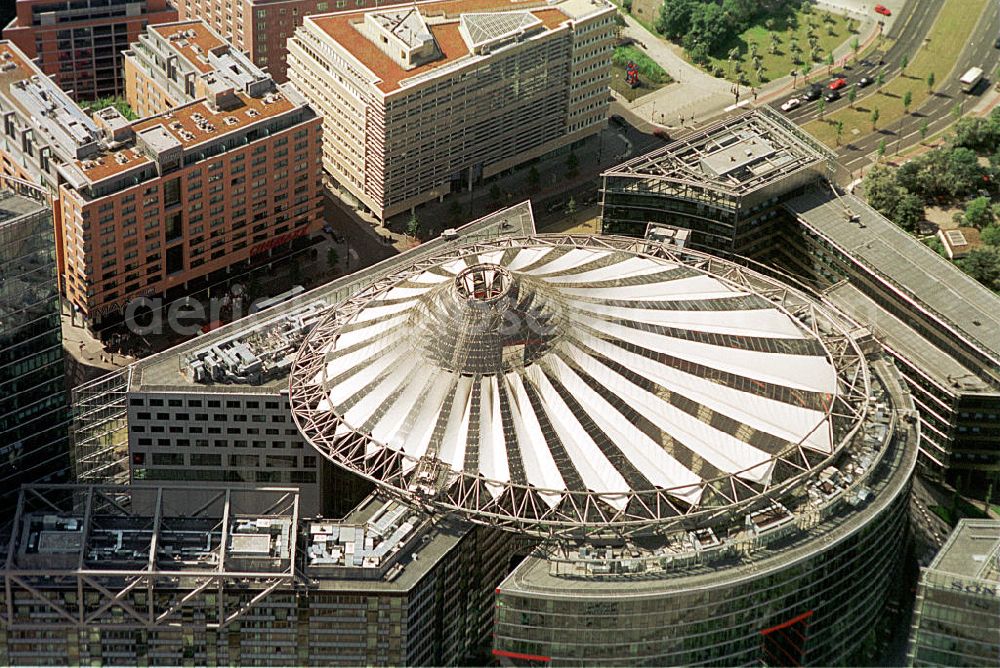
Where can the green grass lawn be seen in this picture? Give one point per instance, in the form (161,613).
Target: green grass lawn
(789,28)
(951,32)
(651,75)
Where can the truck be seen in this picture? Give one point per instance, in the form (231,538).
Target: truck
(971,79)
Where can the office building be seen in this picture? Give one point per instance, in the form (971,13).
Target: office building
(724,184)
(717,469)
(423,100)
(741,364)
(957,617)
(172,203)
(776,207)
(34,410)
(245,580)
(79,43)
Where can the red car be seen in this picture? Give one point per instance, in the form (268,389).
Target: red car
(837,84)
(883,10)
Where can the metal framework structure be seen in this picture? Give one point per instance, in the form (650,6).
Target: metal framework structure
(100,429)
(679,163)
(429,483)
(100,552)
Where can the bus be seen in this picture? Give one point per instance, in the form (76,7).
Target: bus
(971,79)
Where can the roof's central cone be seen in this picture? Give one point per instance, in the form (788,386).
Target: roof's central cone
(485,283)
(487,321)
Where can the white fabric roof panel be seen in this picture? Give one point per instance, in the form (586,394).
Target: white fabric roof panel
(662,376)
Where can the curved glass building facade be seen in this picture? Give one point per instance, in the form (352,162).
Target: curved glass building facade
(812,593)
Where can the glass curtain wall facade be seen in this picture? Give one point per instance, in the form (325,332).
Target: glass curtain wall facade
(34,412)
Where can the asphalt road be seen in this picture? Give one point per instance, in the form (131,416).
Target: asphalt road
(937,110)
(909,32)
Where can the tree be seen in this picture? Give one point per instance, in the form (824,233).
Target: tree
(795,76)
(907,101)
(930,83)
(829,63)
(572,165)
(978,213)
(908,211)
(855,47)
(879,79)
(674,20)
(806,69)
(881,189)
(881,149)
(733,56)
(874,117)
(534,178)
(413,225)
(852,95)
(983,264)
(924,127)
(821,107)
(840,130)
(627,6)
(990,235)
(903,62)
(332,259)
(570,207)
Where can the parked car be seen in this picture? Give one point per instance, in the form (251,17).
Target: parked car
(864,81)
(793,103)
(832,95)
(813,93)
(883,10)
(837,83)
(618,120)
(996,44)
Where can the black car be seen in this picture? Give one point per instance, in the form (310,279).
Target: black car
(864,81)
(832,95)
(813,93)
(996,44)
(618,120)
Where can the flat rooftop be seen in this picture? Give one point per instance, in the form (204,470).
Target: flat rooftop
(737,155)
(443,21)
(903,339)
(167,370)
(192,40)
(972,550)
(916,271)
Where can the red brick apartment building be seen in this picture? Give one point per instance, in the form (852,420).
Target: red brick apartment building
(261,28)
(225,167)
(79,43)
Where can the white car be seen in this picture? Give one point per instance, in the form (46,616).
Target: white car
(793,103)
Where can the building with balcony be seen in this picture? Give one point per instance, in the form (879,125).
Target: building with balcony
(34,409)
(422,100)
(173,202)
(956,621)
(79,43)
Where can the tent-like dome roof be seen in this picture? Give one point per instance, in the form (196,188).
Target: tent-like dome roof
(539,384)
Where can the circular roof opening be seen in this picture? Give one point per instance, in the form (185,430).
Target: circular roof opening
(487,283)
